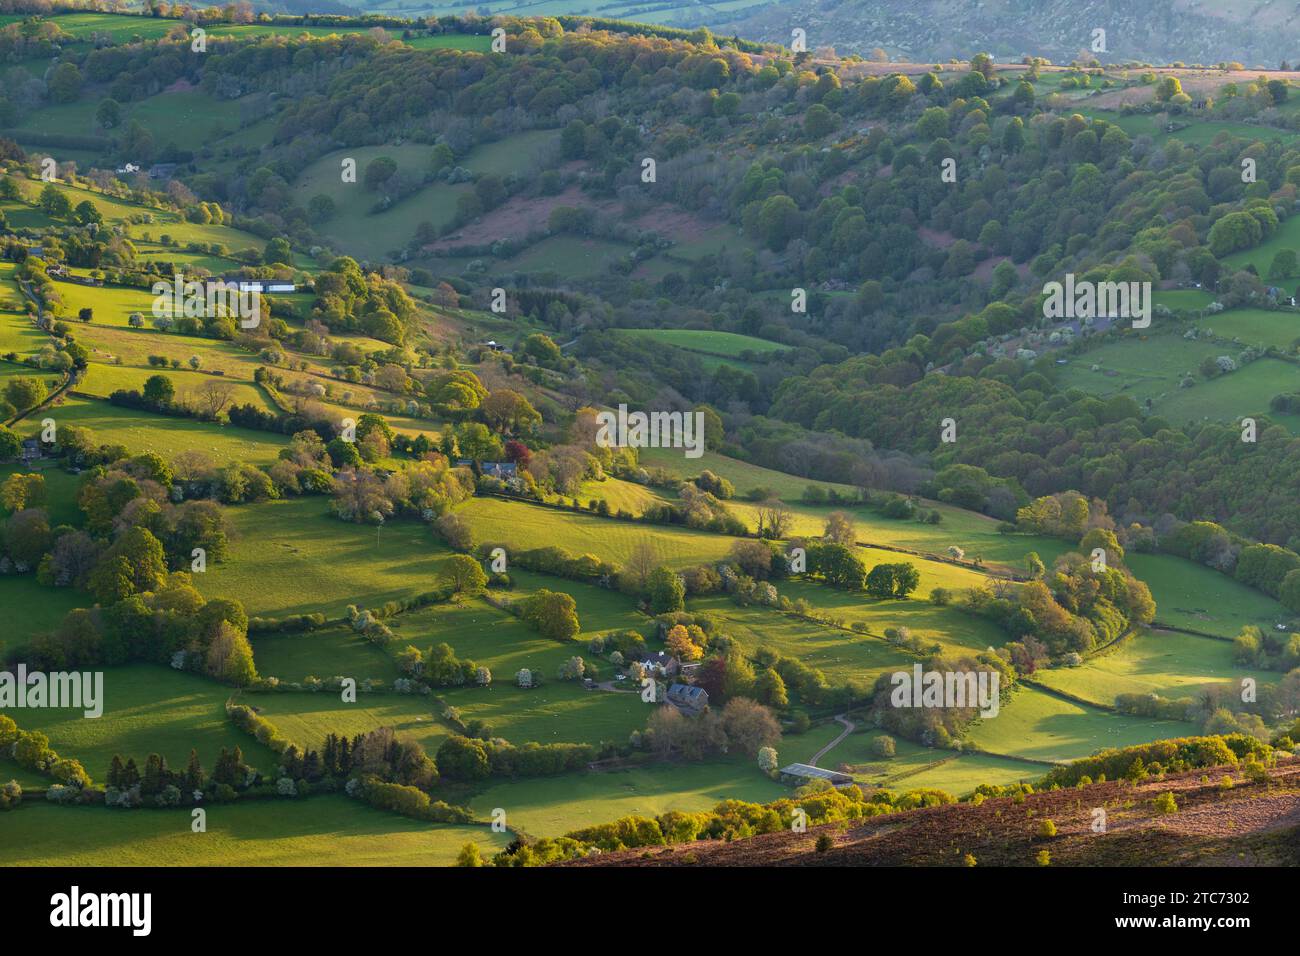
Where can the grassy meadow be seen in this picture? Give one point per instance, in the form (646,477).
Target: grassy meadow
(1167,663)
(147,709)
(322,831)
(1039,726)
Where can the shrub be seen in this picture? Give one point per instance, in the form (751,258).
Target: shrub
(11,794)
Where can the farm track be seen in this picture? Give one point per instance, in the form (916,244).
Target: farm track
(849,727)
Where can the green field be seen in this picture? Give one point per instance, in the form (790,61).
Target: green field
(147,709)
(170,116)
(557,712)
(1226,398)
(143,432)
(294,557)
(1154,662)
(840,654)
(27,779)
(726,344)
(1261,257)
(1039,726)
(977,535)
(102,381)
(17,334)
(1191,300)
(1151,369)
(503,643)
(306,717)
(912,767)
(112,345)
(319,831)
(552,806)
(1268,327)
(353,227)
(356,229)
(742,474)
(569,256)
(330,651)
(1198,598)
(530,526)
(621,495)
(928,621)
(61,489)
(123,28)
(31,608)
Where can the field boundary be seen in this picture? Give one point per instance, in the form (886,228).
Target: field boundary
(1161,626)
(1066,696)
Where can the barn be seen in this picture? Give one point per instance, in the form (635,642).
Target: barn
(799,774)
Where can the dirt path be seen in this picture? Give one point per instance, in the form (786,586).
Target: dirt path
(849,727)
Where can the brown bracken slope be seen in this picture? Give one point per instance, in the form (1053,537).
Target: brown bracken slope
(1250,824)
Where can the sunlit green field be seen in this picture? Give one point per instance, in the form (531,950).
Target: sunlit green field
(549,807)
(912,767)
(1039,726)
(1198,598)
(1154,662)
(166,435)
(147,709)
(318,831)
(294,557)
(306,718)
(103,380)
(842,655)
(557,712)
(488,636)
(123,28)
(977,535)
(928,621)
(530,526)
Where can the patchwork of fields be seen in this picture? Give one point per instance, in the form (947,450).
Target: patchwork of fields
(289,554)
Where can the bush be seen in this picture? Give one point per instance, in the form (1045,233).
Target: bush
(11,794)
(1165,803)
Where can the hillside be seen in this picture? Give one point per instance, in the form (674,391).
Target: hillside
(1161,31)
(607,415)
(1252,824)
